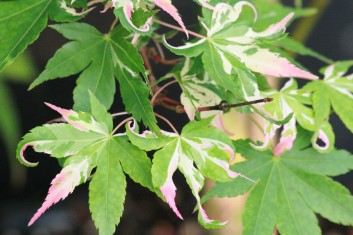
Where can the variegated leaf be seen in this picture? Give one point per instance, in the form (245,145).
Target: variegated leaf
(198,144)
(285,102)
(229,48)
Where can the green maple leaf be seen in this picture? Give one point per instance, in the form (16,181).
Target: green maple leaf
(206,147)
(22,21)
(290,189)
(102,59)
(333,92)
(86,143)
(232,52)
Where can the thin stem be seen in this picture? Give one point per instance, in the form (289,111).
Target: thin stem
(159,48)
(121,124)
(119,114)
(114,23)
(59,119)
(171,101)
(178,28)
(160,90)
(168,122)
(256,123)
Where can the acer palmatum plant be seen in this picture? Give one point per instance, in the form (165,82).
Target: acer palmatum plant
(239,46)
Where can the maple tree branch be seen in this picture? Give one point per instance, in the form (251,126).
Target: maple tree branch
(224,107)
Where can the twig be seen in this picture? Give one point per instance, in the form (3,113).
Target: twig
(224,107)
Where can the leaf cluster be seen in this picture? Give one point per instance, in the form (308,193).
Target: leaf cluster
(240,44)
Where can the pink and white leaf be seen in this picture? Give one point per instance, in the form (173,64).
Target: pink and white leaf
(195,181)
(224,15)
(168,188)
(202,150)
(61,186)
(326,135)
(287,138)
(199,96)
(250,36)
(264,61)
(72,11)
(168,7)
(74,119)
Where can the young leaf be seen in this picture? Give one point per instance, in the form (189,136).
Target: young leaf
(123,10)
(287,101)
(290,188)
(86,143)
(227,47)
(207,147)
(23,20)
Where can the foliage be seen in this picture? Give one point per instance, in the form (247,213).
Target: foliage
(240,44)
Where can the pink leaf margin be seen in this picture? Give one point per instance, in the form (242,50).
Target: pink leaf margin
(61,186)
(65,113)
(167,6)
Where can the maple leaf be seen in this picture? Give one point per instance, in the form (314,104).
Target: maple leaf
(231,52)
(103,58)
(125,8)
(86,143)
(335,91)
(290,100)
(290,189)
(33,15)
(207,147)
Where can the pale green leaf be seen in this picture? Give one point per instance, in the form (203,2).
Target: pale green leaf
(58,140)
(335,91)
(107,191)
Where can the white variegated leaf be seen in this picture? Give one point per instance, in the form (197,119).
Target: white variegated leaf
(198,145)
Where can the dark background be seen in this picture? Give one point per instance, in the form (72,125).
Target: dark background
(144,213)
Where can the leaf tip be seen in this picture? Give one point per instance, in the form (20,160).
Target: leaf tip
(168,191)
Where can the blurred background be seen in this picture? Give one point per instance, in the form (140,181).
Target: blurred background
(330,32)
